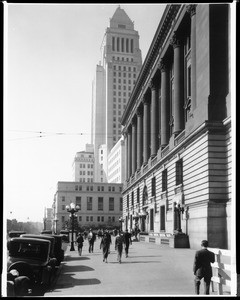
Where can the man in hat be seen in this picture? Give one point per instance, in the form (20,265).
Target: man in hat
(202,267)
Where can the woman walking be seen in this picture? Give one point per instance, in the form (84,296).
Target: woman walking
(105,244)
(119,246)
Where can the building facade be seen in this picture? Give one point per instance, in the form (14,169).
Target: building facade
(114,82)
(177,129)
(83,165)
(100,204)
(116,162)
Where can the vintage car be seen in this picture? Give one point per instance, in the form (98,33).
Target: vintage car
(30,257)
(56,245)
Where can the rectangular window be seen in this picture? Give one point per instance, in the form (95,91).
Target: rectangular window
(98,218)
(63,198)
(132,198)
(102,188)
(78,201)
(63,220)
(179,172)
(89,203)
(76,187)
(162,217)
(127,201)
(91,218)
(63,207)
(138,195)
(80,218)
(121,203)
(153,186)
(87,218)
(164,180)
(109,188)
(100,203)
(111,204)
(102,219)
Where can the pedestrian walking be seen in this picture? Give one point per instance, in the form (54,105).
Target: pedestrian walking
(127,241)
(202,267)
(105,244)
(91,240)
(80,242)
(119,246)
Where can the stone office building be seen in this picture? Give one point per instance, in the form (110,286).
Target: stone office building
(177,129)
(100,204)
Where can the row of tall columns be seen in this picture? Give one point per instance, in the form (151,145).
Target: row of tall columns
(152,121)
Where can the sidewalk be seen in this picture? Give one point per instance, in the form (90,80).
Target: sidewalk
(150,269)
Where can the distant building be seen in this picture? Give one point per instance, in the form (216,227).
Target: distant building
(112,87)
(177,130)
(83,165)
(100,204)
(48,217)
(116,163)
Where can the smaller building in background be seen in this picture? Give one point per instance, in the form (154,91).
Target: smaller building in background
(83,165)
(116,163)
(48,217)
(100,204)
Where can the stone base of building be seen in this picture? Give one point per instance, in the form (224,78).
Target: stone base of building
(179,240)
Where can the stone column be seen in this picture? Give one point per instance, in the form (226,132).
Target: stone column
(154,115)
(164,103)
(134,145)
(126,156)
(139,138)
(178,84)
(191,9)
(129,152)
(146,130)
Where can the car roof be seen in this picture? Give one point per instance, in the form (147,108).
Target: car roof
(38,236)
(31,240)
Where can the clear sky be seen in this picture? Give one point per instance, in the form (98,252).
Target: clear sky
(50,60)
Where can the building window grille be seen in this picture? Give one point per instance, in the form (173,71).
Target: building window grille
(89,203)
(111,204)
(164,180)
(121,204)
(78,201)
(100,203)
(153,186)
(179,172)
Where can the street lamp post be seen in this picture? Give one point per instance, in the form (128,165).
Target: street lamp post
(72,208)
(121,220)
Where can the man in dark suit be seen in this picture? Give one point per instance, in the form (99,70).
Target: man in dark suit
(202,267)
(127,241)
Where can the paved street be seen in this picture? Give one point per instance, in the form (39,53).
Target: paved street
(150,269)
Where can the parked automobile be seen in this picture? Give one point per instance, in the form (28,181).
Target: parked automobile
(30,257)
(65,234)
(56,246)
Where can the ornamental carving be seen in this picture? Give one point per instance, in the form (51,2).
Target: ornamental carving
(162,65)
(175,40)
(191,9)
(152,84)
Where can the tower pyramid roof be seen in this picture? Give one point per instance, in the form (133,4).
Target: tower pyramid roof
(121,18)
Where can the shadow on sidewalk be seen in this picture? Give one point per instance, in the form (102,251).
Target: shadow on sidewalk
(71,269)
(135,262)
(68,258)
(68,282)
